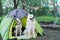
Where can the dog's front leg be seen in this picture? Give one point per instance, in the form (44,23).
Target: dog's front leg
(28,34)
(33,33)
(20,31)
(16,32)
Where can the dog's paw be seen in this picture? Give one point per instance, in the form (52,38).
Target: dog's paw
(34,36)
(28,37)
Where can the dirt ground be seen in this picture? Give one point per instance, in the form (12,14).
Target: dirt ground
(50,34)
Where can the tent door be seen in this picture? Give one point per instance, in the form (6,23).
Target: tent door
(13,33)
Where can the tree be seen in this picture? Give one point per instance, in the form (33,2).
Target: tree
(0,8)
(16,2)
(23,4)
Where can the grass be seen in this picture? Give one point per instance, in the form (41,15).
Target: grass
(47,19)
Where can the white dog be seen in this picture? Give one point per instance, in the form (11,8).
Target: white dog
(18,27)
(30,26)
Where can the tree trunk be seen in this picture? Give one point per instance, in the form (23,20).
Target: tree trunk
(15,3)
(23,4)
(0,8)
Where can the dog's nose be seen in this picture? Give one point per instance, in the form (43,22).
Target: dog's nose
(31,19)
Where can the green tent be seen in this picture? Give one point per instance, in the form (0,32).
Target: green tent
(8,23)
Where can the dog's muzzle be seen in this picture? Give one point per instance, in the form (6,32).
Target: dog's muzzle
(32,19)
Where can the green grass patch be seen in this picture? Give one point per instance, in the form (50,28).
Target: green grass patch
(47,19)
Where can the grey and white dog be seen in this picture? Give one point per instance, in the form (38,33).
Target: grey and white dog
(18,27)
